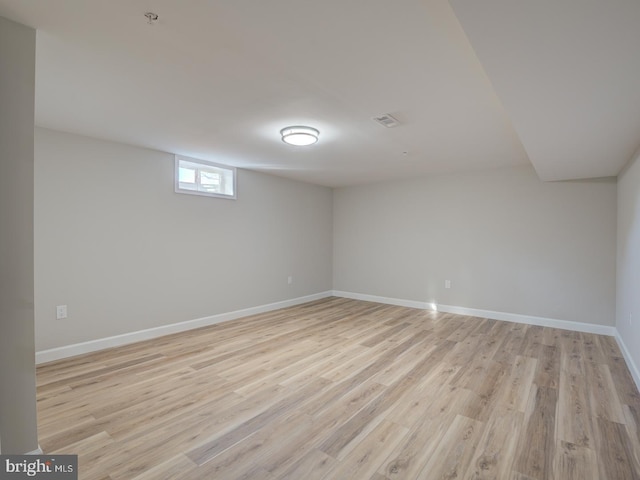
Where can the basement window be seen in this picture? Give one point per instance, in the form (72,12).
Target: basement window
(200,177)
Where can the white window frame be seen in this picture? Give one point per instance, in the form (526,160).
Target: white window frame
(205,163)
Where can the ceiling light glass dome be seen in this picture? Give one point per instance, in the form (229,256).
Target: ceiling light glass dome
(299,135)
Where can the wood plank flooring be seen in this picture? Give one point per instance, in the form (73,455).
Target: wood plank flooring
(345,389)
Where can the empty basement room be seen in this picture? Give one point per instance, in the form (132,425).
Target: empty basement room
(337,240)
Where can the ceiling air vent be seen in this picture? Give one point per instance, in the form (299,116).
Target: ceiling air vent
(387,120)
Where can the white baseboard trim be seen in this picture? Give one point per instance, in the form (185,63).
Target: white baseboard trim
(118,340)
(633,368)
(37,451)
(532,320)
(387,300)
(509,317)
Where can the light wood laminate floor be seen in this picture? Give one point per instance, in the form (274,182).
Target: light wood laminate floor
(345,389)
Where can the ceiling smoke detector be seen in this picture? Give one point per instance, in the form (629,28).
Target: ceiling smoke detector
(152,18)
(387,120)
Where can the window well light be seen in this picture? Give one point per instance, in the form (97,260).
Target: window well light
(299,136)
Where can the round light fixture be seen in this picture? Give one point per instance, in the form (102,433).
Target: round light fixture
(299,136)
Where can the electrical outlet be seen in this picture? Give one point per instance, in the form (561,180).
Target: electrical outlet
(61,312)
(447,284)
(289,280)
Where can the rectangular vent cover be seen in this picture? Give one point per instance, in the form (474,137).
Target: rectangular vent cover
(387,120)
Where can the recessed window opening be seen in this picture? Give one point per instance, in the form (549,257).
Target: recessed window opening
(200,177)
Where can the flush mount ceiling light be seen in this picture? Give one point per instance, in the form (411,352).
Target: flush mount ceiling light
(299,136)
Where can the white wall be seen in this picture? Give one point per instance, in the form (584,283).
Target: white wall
(507,241)
(628,271)
(18,431)
(125,253)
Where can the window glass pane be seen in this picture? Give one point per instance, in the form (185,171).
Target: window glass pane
(186,175)
(204,178)
(210,181)
(227,182)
